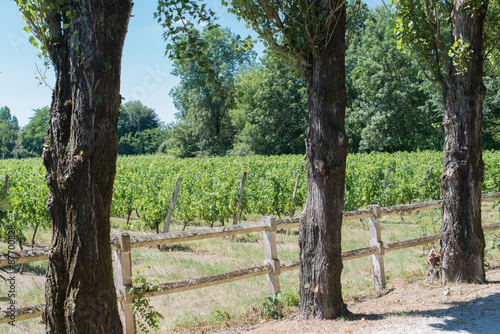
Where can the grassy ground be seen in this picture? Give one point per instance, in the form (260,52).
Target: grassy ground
(241,302)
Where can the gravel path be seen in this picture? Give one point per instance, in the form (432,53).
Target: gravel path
(416,308)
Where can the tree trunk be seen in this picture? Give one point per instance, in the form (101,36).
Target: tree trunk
(80,157)
(326,151)
(462,239)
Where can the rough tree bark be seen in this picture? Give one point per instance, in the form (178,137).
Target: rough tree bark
(80,155)
(326,152)
(462,239)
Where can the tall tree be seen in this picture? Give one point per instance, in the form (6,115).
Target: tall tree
(206,91)
(491,111)
(388,108)
(312,33)
(84,42)
(140,130)
(271,110)
(34,132)
(9,128)
(136,117)
(144,142)
(449,37)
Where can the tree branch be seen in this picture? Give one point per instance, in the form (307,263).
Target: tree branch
(425,73)
(439,41)
(352,22)
(492,123)
(42,76)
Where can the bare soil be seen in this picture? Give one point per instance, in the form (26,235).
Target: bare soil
(407,308)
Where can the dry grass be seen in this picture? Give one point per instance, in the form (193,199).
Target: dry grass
(240,302)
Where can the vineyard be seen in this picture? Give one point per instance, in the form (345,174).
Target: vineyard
(210,188)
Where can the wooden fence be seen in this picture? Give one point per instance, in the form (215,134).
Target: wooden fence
(123,243)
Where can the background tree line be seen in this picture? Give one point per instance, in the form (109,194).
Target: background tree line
(236,104)
(140,131)
(391,105)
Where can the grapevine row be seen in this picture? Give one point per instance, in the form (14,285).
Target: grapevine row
(209,191)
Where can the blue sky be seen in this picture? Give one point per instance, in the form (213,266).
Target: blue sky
(145,69)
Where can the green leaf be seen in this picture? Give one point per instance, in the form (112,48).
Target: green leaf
(5,204)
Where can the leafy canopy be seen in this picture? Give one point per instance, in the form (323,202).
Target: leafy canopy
(136,117)
(423,28)
(180,18)
(9,128)
(389,107)
(46,20)
(33,134)
(270,115)
(294,28)
(207,89)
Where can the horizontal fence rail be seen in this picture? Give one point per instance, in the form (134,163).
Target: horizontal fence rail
(205,281)
(272,267)
(191,235)
(24,256)
(23,313)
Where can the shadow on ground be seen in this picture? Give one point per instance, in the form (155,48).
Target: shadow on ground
(478,316)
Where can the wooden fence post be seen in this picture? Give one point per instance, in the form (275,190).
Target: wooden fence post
(294,196)
(123,265)
(168,220)
(428,175)
(386,182)
(242,185)
(271,257)
(376,240)
(6,183)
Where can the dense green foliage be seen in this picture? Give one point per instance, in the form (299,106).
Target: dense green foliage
(206,93)
(136,117)
(144,142)
(426,30)
(491,114)
(390,105)
(210,187)
(139,129)
(9,128)
(5,205)
(271,112)
(28,192)
(32,135)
